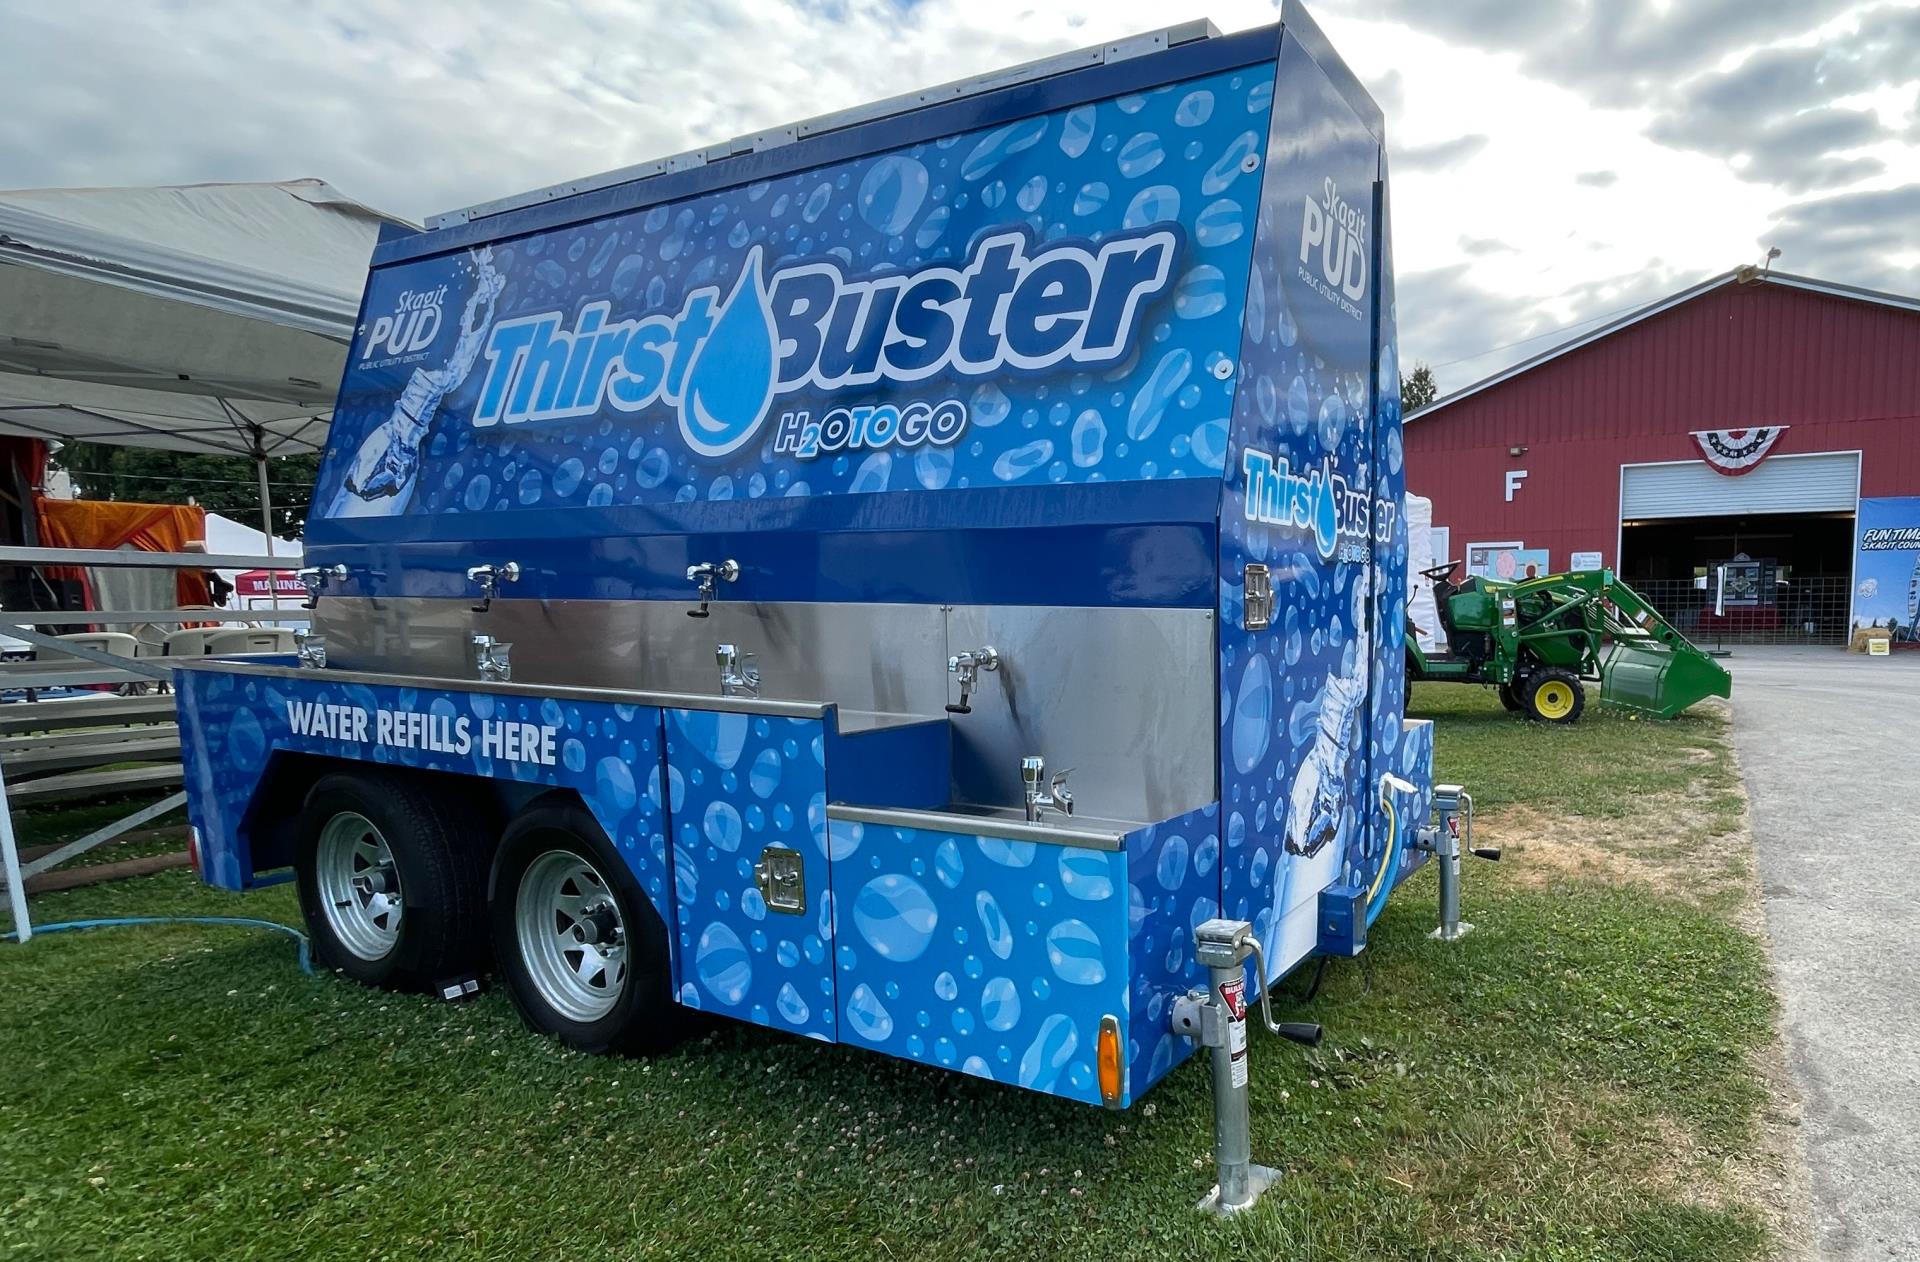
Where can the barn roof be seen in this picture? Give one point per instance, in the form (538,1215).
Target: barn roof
(1747,275)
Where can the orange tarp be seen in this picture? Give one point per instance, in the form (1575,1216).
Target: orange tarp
(115,524)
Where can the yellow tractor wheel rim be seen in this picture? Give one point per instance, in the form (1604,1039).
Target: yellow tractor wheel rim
(1554,699)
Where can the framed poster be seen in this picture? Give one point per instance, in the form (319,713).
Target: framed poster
(1507,562)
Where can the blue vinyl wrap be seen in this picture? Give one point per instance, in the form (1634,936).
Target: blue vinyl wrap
(231,726)
(737,782)
(1134,323)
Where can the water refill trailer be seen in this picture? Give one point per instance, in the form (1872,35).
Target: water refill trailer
(720,565)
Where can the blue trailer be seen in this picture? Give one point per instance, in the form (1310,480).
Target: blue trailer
(720,564)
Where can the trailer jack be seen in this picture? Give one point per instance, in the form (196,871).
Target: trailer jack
(1217,1018)
(1446,840)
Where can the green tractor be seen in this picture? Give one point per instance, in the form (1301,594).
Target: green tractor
(1537,640)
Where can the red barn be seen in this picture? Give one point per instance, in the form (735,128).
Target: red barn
(1712,448)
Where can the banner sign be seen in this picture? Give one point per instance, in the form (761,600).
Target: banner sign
(1886,569)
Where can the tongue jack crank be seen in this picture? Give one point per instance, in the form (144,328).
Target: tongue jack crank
(1217,1018)
(1446,841)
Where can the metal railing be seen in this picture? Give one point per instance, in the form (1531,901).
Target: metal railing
(59,664)
(1809,610)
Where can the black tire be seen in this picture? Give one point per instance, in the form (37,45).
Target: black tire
(439,868)
(645,1018)
(1553,695)
(1510,694)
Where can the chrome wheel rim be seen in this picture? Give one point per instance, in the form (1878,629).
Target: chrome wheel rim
(359,887)
(572,939)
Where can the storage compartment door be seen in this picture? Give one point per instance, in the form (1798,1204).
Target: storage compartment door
(747,795)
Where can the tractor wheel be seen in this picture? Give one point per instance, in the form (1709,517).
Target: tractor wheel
(576,940)
(1510,694)
(1554,696)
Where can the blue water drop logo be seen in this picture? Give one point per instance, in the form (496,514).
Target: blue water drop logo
(731,380)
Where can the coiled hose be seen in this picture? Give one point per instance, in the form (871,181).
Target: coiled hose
(114,922)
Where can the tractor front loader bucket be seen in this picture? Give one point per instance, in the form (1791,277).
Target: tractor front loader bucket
(1660,679)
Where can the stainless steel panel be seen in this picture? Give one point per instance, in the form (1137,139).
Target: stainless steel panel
(1124,697)
(608,696)
(1007,822)
(887,658)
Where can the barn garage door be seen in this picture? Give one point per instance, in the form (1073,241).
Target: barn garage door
(1826,482)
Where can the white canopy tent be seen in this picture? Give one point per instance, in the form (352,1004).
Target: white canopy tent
(209,317)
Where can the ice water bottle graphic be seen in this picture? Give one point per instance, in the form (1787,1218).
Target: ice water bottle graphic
(379,482)
(1313,819)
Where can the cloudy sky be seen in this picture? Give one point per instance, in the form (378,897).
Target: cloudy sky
(1554,161)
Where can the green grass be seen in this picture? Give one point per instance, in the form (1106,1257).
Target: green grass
(1563,1084)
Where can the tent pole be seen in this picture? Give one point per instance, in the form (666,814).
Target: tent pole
(266,524)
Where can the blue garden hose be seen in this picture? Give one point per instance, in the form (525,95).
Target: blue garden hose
(306,958)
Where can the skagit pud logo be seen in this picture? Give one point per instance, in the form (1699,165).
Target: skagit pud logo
(1012,304)
(408,330)
(1334,248)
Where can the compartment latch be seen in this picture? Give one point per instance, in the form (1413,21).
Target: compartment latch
(781,875)
(1259,597)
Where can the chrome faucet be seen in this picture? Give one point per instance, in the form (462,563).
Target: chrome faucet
(966,667)
(705,574)
(739,673)
(315,581)
(1033,771)
(492,659)
(490,577)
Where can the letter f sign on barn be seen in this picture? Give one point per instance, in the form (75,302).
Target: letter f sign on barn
(1514,478)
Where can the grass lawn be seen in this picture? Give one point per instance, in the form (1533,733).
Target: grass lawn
(1572,1081)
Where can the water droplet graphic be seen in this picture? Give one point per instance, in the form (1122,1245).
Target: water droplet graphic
(1194,109)
(1091,198)
(999,933)
(1011,466)
(1158,203)
(896,916)
(1032,193)
(989,406)
(765,776)
(868,1016)
(1141,154)
(793,1009)
(933,467)
(1073,948)
(873,475)
(731,380)
(1171,869)
(996,147)
(1220,223)
(1000,1004)
(1089,439)
(892,192)
(1253,714)
(1012,854)
(1201,292)
(1076,131)
(947,864)
(1085,875)
(723,965)
(1048,1054)
(722,826)
(1151,401)
(1228,167)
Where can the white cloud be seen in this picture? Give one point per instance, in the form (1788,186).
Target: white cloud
(1534,191)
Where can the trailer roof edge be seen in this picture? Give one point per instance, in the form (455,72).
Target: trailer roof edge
(1135,64)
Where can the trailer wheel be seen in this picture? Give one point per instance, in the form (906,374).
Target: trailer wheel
(1554,696)
(579,946)
(391,893)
